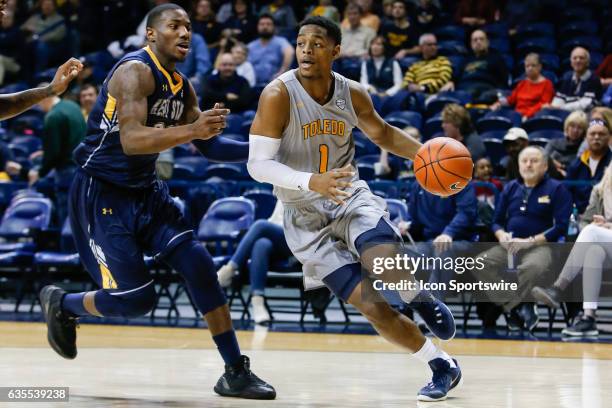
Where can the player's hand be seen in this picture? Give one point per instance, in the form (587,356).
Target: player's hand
(64,75)
(210,123)
(442,242)
(517,244)
(504,238)
(331,185)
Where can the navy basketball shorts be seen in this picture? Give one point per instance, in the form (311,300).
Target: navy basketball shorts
(114,227)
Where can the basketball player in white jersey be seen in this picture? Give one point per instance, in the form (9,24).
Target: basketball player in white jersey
(301,143)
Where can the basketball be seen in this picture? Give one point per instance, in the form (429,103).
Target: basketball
(443,166)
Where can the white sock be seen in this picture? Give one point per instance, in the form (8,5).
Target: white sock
(429,352)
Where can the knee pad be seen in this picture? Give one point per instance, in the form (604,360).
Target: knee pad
(135,303)
(381,234)
(193,262)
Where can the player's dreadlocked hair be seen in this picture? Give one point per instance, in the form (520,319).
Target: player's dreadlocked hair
(333,30)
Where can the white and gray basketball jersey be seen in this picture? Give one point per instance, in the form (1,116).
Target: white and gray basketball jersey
(318,137)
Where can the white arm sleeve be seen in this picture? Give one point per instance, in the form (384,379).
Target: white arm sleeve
(263,168)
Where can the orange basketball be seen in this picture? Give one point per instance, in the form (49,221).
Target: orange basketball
(443,166)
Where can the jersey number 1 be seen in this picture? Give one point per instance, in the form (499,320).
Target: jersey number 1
(324,153)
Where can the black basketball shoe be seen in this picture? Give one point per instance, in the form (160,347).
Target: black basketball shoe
(240,382)
(61,327)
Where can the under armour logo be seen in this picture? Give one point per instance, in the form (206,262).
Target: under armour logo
(165,87)
(107,211)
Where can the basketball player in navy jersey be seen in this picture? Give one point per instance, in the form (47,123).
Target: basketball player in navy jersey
(119,211)
(301,143)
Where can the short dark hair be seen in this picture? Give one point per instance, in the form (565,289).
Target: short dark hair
(155,14)
(265,15)
(88,85)
(333,30)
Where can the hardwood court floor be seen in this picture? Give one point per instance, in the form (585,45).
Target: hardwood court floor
(122,366)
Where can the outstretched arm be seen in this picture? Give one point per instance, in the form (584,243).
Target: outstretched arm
(15,103)
(218,149)
(130,85)
(380,132)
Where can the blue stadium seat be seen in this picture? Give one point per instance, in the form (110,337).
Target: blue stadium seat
(234,123)
(363,145)
(25,215)
(398,210)
(19,151)
(464,97)
(224,171)
(540,45)
(542,137)
(184,150)
(436,103)
(450,32)
(66,257)
(493,134)
(489,123)
(451,47)
(543,123)
(226,219)
(591,42)
(534,30)
(501,45)
(495,149)
(245,128)
(550,62)
(578,28)
(457,62)
(248,115)
(368,159)
(559,113)
(433,126)
(264,200)
(384,188)
(31,143)
(511,114)
(497,30)
(190,168)
(571,15)
(405,118)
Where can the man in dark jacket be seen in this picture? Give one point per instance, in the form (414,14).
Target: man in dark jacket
(227,87)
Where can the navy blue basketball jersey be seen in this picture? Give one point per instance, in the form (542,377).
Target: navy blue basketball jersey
(101,155)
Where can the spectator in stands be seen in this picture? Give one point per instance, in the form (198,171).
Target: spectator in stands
(380,75)
(325,8)
(476,13)
(589,254)
(244,68)
(483,171)
(427,14)
(387,12)
(356,38)
(270,55)
(391,167)
(241,25)
(531,93)
(590,166)
(604,71)
(63,130)
(45,30)
(530,212)
(227,87)
(485,71)
(9,168)
(87,99)
(263,243)
(457,124)
(400,34)
(515,141)
(204,22)
(283,15)
(368,18)
(431,73)
(581,88)
(197,63)
(11,44)
(441,225)
(563,151)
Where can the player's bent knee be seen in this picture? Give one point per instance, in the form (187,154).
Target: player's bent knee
(133,304)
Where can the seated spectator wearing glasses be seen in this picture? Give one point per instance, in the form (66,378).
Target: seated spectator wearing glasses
(263,243)
(485,71)
(564,151)
(591,164)
(430,74)
(227,87)
(457,124)
(531,93)
(593,248)
(581,88)
(530,212)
